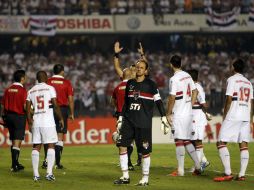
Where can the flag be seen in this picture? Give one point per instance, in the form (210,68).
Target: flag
(222,21)
(43,25)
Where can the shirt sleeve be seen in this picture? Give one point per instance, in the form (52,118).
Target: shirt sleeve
(193,86)
(201,96)
(172,87)
(155,92)
(230,87)
(52,92)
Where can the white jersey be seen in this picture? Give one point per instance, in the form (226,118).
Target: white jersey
(181,85)
(198,115)
(40,95)
(241,91)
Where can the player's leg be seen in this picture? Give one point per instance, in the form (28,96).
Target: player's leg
(129,152)
(45,163)
(125,140)
(145,135)
(35,161)
(139,152)
(180,154)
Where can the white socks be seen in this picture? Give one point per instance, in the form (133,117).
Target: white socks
(192,152)
(146,167)
(51,160)
(180,153)
(225,158)
(244,160)
(35,162)
(124,164)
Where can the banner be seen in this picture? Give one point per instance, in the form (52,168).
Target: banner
(251,16)
(43,25)
(91,131)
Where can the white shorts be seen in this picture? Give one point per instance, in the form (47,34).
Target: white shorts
(44,135)
(199,123)
(234,131)
(183,127)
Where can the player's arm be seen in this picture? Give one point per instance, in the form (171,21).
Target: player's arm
(58,111)
(29,114)
(117,50)
(194,95)
(142,52)
(171,103)
(227,106)
(71,106)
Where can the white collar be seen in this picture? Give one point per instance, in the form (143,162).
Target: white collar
(18,83)
(57,76)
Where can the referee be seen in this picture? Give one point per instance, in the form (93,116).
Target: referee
(64,93)
(13,112)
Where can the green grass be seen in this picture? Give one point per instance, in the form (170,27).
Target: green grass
(95,167)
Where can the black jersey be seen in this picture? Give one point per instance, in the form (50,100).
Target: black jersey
(139,102)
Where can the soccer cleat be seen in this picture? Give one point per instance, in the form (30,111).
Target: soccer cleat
(20,166)
(204,165)
(122,180)
(242,178)
(142,183)
(50,177)
(175,174)
(197,172)
(223,178)
(14,169)
(44,164)
(37,178)
(59,167)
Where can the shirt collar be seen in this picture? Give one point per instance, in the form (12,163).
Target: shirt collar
(18,83)
(57,76)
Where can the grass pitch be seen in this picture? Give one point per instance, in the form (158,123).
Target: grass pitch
(95,167)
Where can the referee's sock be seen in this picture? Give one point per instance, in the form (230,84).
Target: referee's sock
(15,155)
(58,151)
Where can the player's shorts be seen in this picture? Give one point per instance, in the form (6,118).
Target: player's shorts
(65,113)
(198,124)
(44,135)
(234,131)
(16,125)
(142,137)
(183,127)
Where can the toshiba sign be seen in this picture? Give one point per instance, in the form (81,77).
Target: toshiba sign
(81,131)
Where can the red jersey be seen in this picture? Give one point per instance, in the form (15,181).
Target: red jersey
(63,89)
(14,98)
(118,95)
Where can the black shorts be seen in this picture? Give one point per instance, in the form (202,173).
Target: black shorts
(65,113)
(16,125)
(142,137)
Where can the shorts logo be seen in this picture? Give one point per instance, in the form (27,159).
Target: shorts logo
(145,145)
(136,94)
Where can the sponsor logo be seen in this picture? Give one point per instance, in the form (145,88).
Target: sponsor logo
(133,23)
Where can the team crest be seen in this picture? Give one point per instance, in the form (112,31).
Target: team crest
(145,145)
(136,94)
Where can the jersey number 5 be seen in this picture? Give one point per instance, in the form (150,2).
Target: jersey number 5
(244,94)
(40,102)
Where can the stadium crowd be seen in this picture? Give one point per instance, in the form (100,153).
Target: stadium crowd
(93,76)
(101,7)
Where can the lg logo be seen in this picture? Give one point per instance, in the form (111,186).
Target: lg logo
(135,106)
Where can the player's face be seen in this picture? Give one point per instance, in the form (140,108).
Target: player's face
(133,71)
(141,68)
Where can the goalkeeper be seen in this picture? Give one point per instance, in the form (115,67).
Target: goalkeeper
(135,121)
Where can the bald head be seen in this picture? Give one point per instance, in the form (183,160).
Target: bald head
(126,73)
(41,76)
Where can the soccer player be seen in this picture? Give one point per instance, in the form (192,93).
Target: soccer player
(135,121)
(182,94)
(200,117)
(13,112)
(237,120)
(64,91)
(42,98)
(118,101)
(119,71)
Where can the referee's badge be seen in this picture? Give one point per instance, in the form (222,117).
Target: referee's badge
(136,94)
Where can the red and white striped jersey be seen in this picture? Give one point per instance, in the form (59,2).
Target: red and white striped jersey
(241,91)
(181,86)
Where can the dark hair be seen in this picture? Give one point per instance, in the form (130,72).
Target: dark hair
(176,61)
(41,76)
(239,65)
(58,68)
(194,74)
(18,75)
